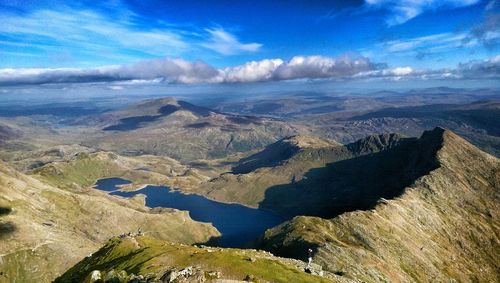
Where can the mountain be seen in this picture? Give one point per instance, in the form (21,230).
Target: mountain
(292,166)
(146,259)
(7,132)
(49,229)
(179,130)
(280,151)
(440,224)
(475,121)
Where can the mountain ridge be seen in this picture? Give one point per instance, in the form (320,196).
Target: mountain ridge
(444,225)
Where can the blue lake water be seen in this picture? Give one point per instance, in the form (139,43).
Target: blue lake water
(110,184)
(238,224)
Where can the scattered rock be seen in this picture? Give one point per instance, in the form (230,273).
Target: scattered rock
(95,276)
(250,278)
(188,274)
(314,269)
(213,275)
(49,224)
(111,277)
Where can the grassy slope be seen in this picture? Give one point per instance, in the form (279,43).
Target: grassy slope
(49,229)
(145,255)
(445,226)
(251,187)
(84,169)
(187,134)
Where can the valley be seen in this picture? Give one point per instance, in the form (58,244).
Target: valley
(282,176)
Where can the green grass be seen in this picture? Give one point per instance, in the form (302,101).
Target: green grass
(155,256)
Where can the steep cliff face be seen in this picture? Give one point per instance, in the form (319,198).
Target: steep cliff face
(444,224)
(48,229)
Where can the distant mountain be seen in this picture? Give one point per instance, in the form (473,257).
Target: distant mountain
(48,229)
(181,130)
(273,177)
(435,217)
(7,132)
(280,151)
(477,121)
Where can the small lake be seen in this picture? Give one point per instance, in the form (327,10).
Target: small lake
(238,224)
(110,184)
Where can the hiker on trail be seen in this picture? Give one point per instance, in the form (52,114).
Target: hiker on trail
(309,259)
(139,231)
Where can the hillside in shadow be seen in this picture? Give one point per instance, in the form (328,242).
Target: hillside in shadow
(358,183)
(136,122)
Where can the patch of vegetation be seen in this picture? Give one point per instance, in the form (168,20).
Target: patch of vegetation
(143,255)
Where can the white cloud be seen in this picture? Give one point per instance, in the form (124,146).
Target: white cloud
(90,32)
(321,67)
(87,34)
(481,69)
(299,67)
(187,72)
(403,10)
(253,71)
(402,71)
(227,44)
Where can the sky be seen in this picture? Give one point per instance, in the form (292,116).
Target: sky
(120,44)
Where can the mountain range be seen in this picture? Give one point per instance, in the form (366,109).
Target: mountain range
(373,205)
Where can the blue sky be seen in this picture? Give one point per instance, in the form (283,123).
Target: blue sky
(233,41)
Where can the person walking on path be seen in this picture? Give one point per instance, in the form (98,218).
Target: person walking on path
(309,258)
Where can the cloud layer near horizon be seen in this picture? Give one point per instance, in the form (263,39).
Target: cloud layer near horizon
(299,67)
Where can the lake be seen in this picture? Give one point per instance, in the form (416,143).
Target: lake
(238,224)
(110,184)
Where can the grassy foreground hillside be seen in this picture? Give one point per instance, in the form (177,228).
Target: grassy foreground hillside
(49,229)
(444,226)
(158,261)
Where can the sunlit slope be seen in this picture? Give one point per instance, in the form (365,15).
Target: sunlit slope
(444,225)
(45,230)
(275,177)
(156,260)
(180,130)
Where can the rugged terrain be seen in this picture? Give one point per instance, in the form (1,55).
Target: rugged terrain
(49,229)
(181,130)
(375,207)
(442,226)
(148,259)
(292,175)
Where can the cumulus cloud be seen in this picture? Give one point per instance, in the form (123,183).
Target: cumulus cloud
(227,44)
(168,70)
(489,68)
(299,67)
(322,67)
(187,72)
(402,11)
(253,71)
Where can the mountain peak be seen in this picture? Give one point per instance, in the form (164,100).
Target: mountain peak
(376,143)
(282,150)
